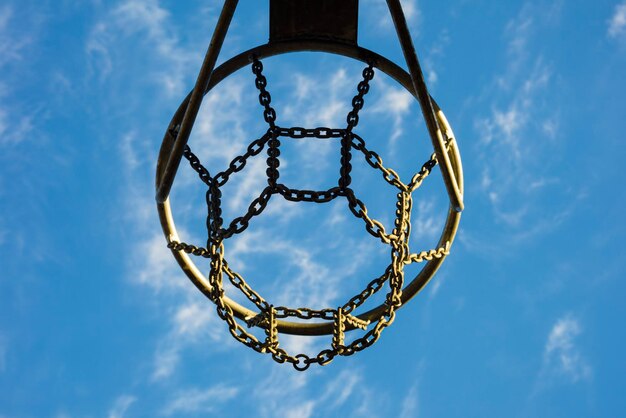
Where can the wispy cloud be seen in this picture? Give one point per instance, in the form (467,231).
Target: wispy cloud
(14,128)
(281,393)
(196,400)
(411,11)
(166,360)
(425,224)
(410,403)
(304,410)
(561,353)
(306,275)
(435,285)
(341,389)
(377,11)
(617,22)
(520,126)
(394,103)
(434,55)
(293,397)
(322,89)
(220,126)
(151,23)
(155,267)
(15,124)
(121,405)
(150,264)
(192,325)
(11,43)
(562,359)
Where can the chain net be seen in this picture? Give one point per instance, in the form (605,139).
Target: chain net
(342,317)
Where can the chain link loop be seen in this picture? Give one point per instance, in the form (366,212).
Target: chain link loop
(296,195)
(319,133)
(265,99)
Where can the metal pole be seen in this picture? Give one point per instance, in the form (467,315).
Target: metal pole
(164,184)
(456,196)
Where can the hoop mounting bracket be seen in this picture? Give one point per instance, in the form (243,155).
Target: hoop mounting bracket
(335,20)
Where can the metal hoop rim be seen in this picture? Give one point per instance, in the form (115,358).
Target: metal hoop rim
(351,51)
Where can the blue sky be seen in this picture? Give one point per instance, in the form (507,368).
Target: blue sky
(524,319)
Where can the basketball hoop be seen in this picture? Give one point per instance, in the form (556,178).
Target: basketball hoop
(328,26)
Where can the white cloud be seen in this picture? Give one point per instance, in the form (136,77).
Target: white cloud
(291,384)
(199,400)
(156,267)
(121,405)
(15,124)
(395,103)
(98,50)
(151,264)
(310,91)
(308,277)
(425,225)
(562,360)
(411,10)
(561,355)
(519,30)
(291,397)
(303,410)
(339,390)
(507,127)
(194,319)
(128,151)
(191,319)
(165,361)
(311,284)
(410,403)
(148,16)
(191,325)
(435,285)
(283,393)
(250,186)
(219,129)
(152,25)
(434,55)
(11,44)
(377,11)
(522,124)
(14,128)
(617,23)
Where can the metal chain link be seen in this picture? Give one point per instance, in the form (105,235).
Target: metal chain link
(374,227)
(195,163)
(239,162)
(265,99)
(304,313)
(372,287)
(257,206)
(214,220)
(273,152)
(375,161)
(352,121)
(320,133)
(357,101)
(241,284)
(296,195)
